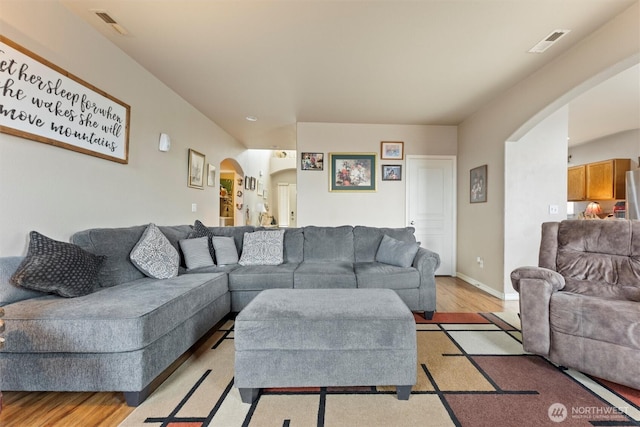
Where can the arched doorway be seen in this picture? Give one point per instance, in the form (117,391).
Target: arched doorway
(231,193)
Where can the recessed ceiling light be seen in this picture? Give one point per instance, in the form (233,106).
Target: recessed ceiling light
(252,118)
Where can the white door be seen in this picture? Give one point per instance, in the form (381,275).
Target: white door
(293,202)
(283,204)
(431,206)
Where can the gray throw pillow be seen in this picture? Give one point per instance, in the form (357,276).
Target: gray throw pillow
(396,252)
(57,267)
(196,252)
(201,230)
(263,248)
(154,255)
(226,251)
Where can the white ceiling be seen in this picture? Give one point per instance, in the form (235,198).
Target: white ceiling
(396,62)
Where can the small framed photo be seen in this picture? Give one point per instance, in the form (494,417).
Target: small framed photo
(196,169)
(392,172)
(478,184)
(312,162)
(253,183)
(352,172)
(247,183)
(211,175)
(392,150)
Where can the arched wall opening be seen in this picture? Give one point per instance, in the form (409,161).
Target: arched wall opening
(536,174)
(231,193)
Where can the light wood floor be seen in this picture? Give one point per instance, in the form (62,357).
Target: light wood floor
(39,409)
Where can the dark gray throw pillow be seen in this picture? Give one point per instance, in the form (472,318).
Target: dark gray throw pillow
(396,252)
(57,267)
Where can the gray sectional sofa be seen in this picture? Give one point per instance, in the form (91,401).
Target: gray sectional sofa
(126,332)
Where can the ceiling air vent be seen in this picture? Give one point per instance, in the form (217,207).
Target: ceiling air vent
(102,14)
(546,43)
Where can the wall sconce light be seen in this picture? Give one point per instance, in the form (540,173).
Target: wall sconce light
(165,142)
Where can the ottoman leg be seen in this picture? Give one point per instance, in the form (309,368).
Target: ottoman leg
(249,395)
(403,392)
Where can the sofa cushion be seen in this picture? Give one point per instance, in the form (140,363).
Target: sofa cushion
(380,275)
(328,244)
(610,321)
(116,244)
(600,258)
(57,267)
(196,252)
(8,291)
(320,275)
(396,252)
(367,240)
(264,247)
(225,250)
(260,277)
(293,245)
(154,255)
(101,323)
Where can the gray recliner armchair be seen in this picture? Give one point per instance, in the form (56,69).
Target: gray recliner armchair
(581,307)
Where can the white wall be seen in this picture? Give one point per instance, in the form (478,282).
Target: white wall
(535,178)
(482,137)
(256,163)
(623,145)
(383,208)
(57,191)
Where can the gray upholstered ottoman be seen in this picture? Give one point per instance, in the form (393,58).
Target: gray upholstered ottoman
(325,337)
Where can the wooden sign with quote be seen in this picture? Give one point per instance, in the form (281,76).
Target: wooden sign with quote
(44,103)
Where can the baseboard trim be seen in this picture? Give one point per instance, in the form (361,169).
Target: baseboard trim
(511,296)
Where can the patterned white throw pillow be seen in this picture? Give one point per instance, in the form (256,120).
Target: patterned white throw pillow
(154,255)
(263,248)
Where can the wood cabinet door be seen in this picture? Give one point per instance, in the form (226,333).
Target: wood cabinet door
(576,183)
(600,180)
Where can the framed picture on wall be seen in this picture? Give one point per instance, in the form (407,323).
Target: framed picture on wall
(478,184)
(196,169)
(312,162)
(392,172)
(211,175)
(352,172)
(392,150)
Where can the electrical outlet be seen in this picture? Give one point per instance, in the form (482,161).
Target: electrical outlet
(554,209)
(194,207)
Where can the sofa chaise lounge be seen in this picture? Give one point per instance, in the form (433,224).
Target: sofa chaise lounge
(131,328)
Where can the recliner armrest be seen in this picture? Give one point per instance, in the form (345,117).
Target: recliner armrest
(553,278)
(535,286)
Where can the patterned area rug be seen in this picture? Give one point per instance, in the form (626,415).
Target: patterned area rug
(472,372)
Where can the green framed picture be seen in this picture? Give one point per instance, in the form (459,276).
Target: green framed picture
(352,172)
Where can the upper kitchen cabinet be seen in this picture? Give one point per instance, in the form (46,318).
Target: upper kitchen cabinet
(606,180)
(576,183)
